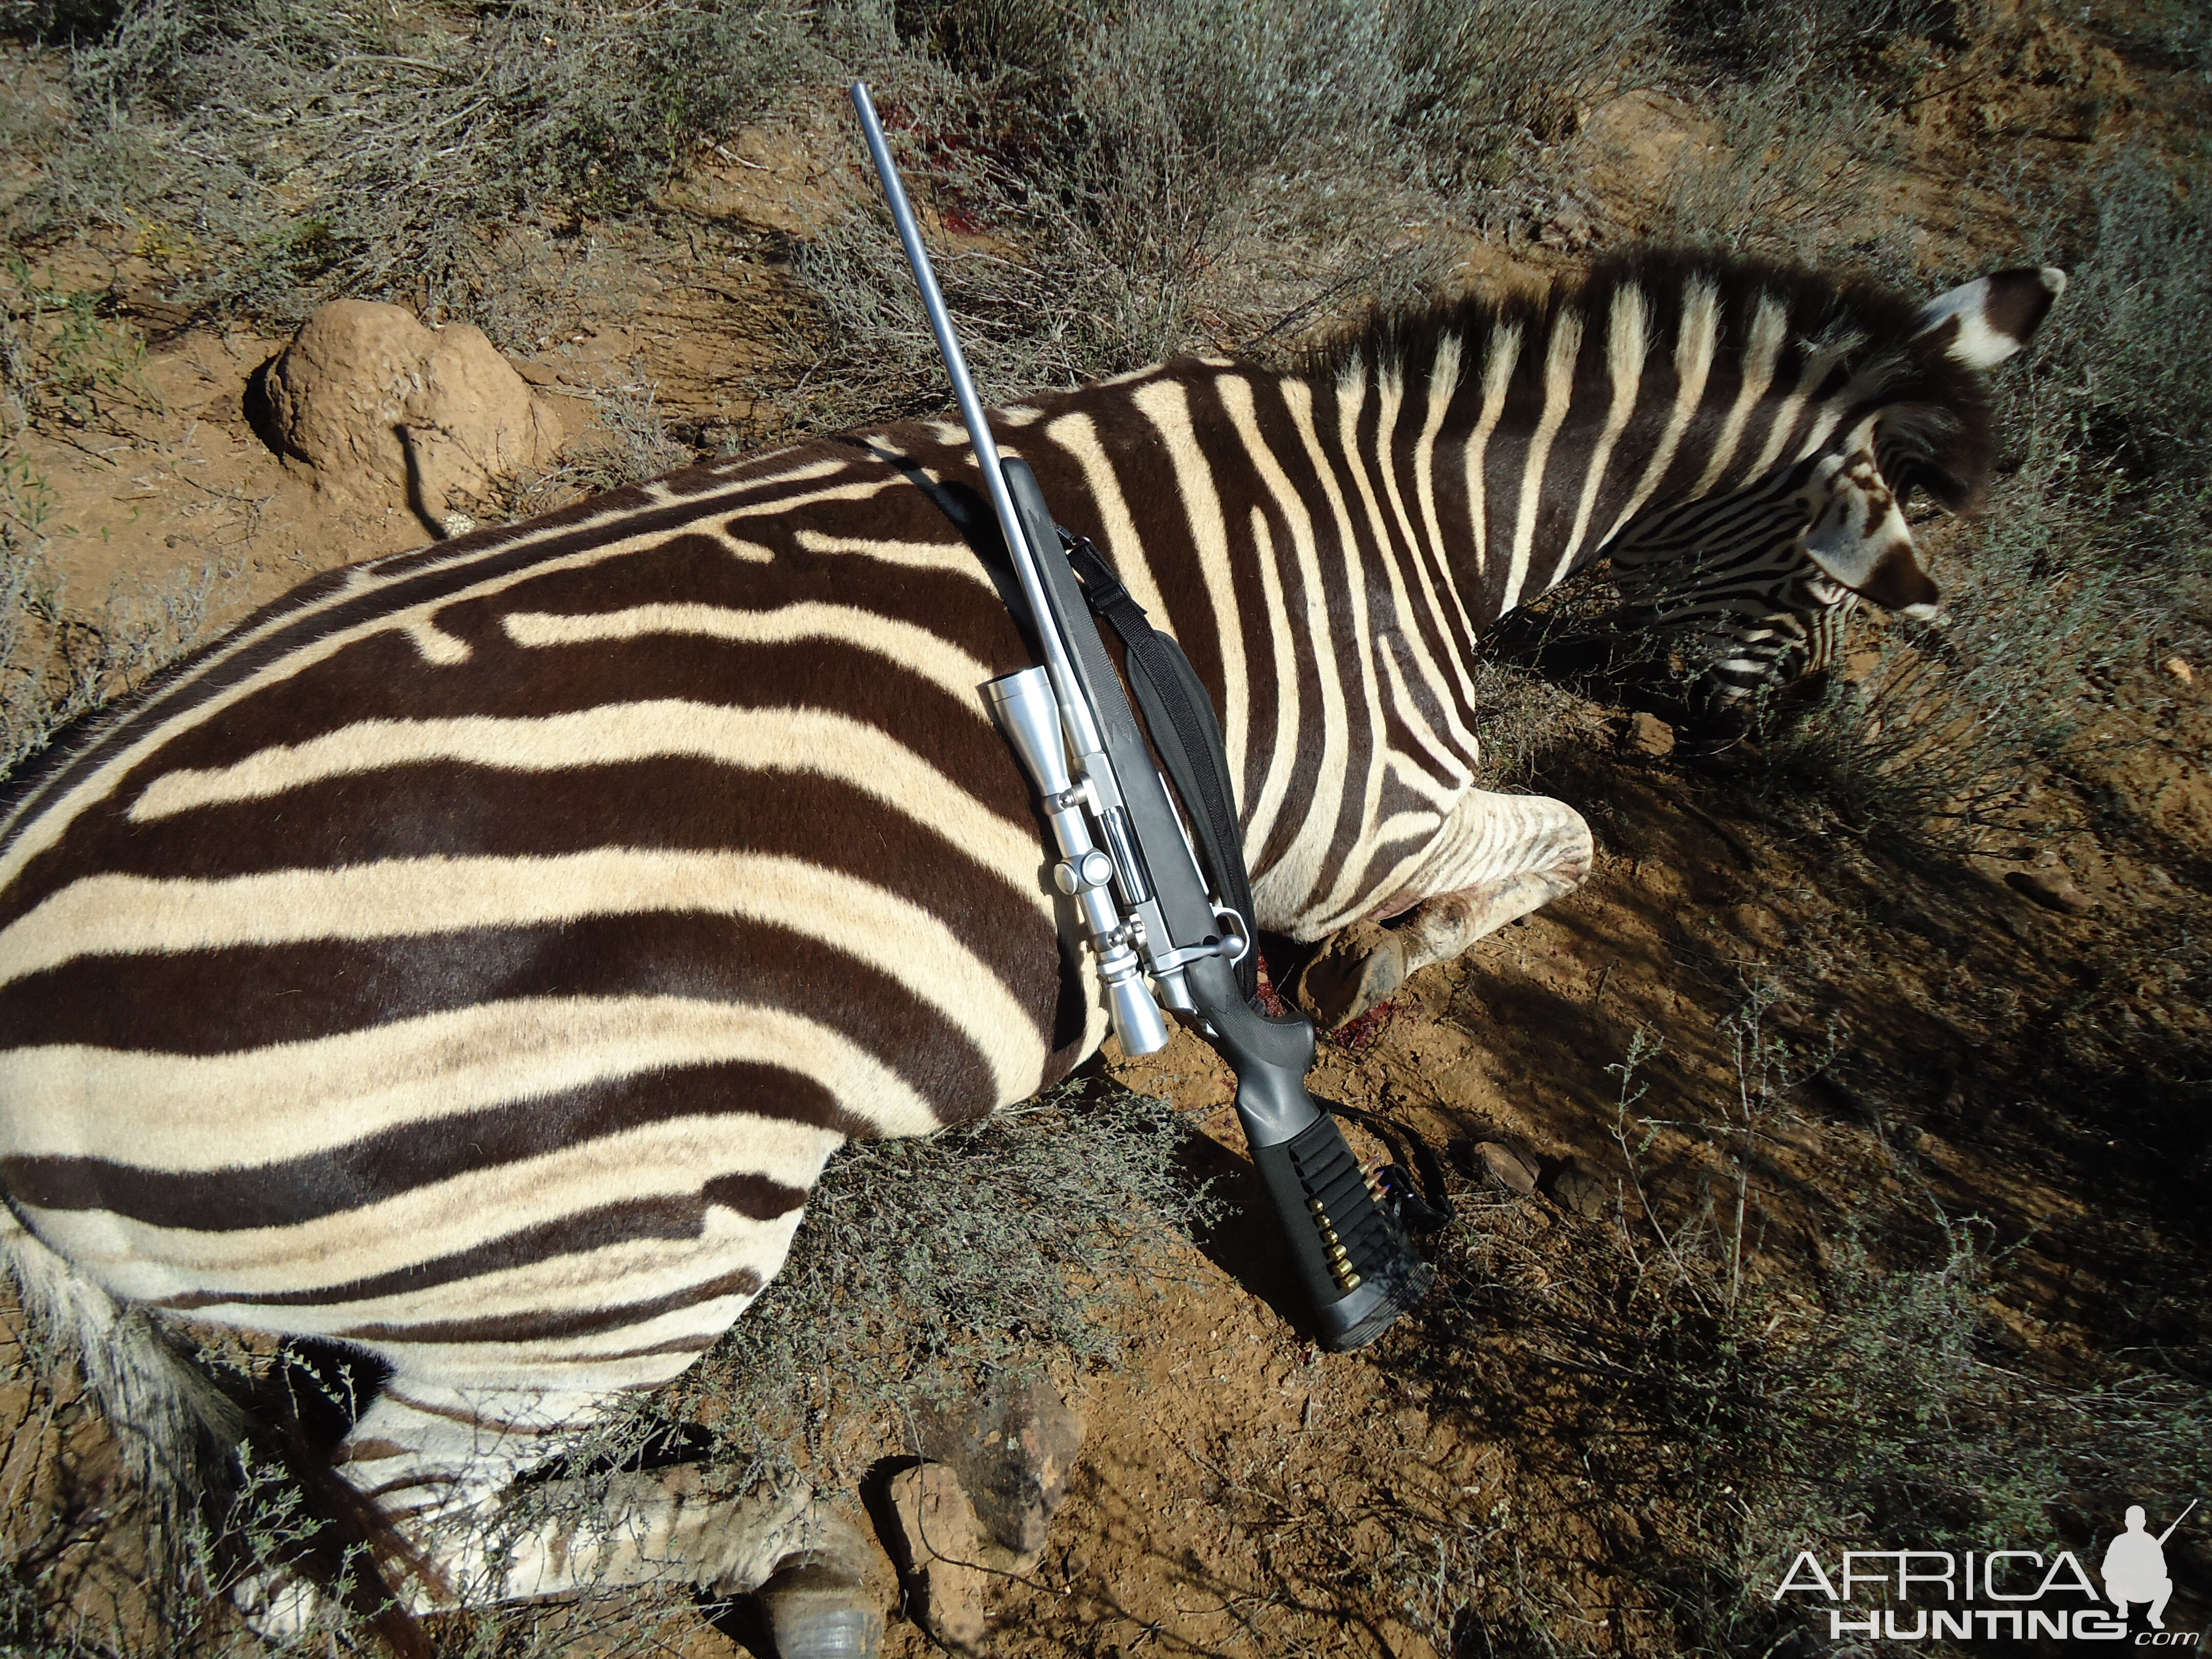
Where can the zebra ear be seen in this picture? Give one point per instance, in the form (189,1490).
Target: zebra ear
(1985,321)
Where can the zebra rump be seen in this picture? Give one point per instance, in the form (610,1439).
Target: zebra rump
(472,958)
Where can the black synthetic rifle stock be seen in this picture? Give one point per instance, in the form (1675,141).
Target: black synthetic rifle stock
(1348,1252)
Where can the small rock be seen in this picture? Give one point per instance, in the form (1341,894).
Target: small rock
(1012,1450)
(1569,226)
(1505,1168)
(1647,735)
(2054,890)
(1586,1190)
(2180,670)
(942,1552)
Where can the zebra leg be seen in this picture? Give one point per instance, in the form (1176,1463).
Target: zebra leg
(1497,857)
(441,1464)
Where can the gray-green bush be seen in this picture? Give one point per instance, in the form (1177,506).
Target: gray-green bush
(1009,1242)
(1179,174)
(271,153)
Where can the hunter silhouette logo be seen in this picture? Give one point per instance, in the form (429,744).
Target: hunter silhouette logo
(2135,1566)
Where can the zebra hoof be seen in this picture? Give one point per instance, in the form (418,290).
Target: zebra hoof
(815,1614)
(1357,969)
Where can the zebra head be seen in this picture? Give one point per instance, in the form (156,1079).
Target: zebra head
(1855,533)
(1746,586)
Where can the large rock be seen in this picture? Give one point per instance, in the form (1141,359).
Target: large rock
(371,398)
(1012,1448)
(943,1547)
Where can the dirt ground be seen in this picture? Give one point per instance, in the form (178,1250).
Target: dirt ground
(1838,1037)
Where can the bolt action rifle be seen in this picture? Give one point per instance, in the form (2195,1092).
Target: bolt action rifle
(1137,885)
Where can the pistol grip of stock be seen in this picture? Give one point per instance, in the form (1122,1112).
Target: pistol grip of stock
(1352,1259)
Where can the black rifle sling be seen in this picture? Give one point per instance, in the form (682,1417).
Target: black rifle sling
(1187,736)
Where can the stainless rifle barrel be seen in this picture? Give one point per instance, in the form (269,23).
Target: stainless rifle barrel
(1082,730)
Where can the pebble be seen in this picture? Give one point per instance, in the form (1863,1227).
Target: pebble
(1586,1190)
(2180,670)
(1648,735)
(1505,1168)
(2054,890)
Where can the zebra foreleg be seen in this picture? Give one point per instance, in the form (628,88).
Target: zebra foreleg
(1497,858)
(443,1464)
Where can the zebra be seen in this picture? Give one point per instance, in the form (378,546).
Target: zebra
(472,958)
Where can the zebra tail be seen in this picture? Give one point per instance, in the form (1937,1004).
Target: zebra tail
(181,1435)
(168,1416)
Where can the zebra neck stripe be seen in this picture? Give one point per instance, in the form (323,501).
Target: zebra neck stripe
(1821,358)
(1282,754)
(1077,437)
(1443,390)
(1502,353)
(1698,333)
(1298,870)
(1409,615)
(1236,399)
(1167,406)
(1351,406)
(1770,328)
(1559,357)
(1626,337)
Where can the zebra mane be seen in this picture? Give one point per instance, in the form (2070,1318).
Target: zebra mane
(1938,420)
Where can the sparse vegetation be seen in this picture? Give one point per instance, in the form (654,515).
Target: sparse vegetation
(630,441)
(1880,1406)
(1006,1243)
(264,155)
(1178,175)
